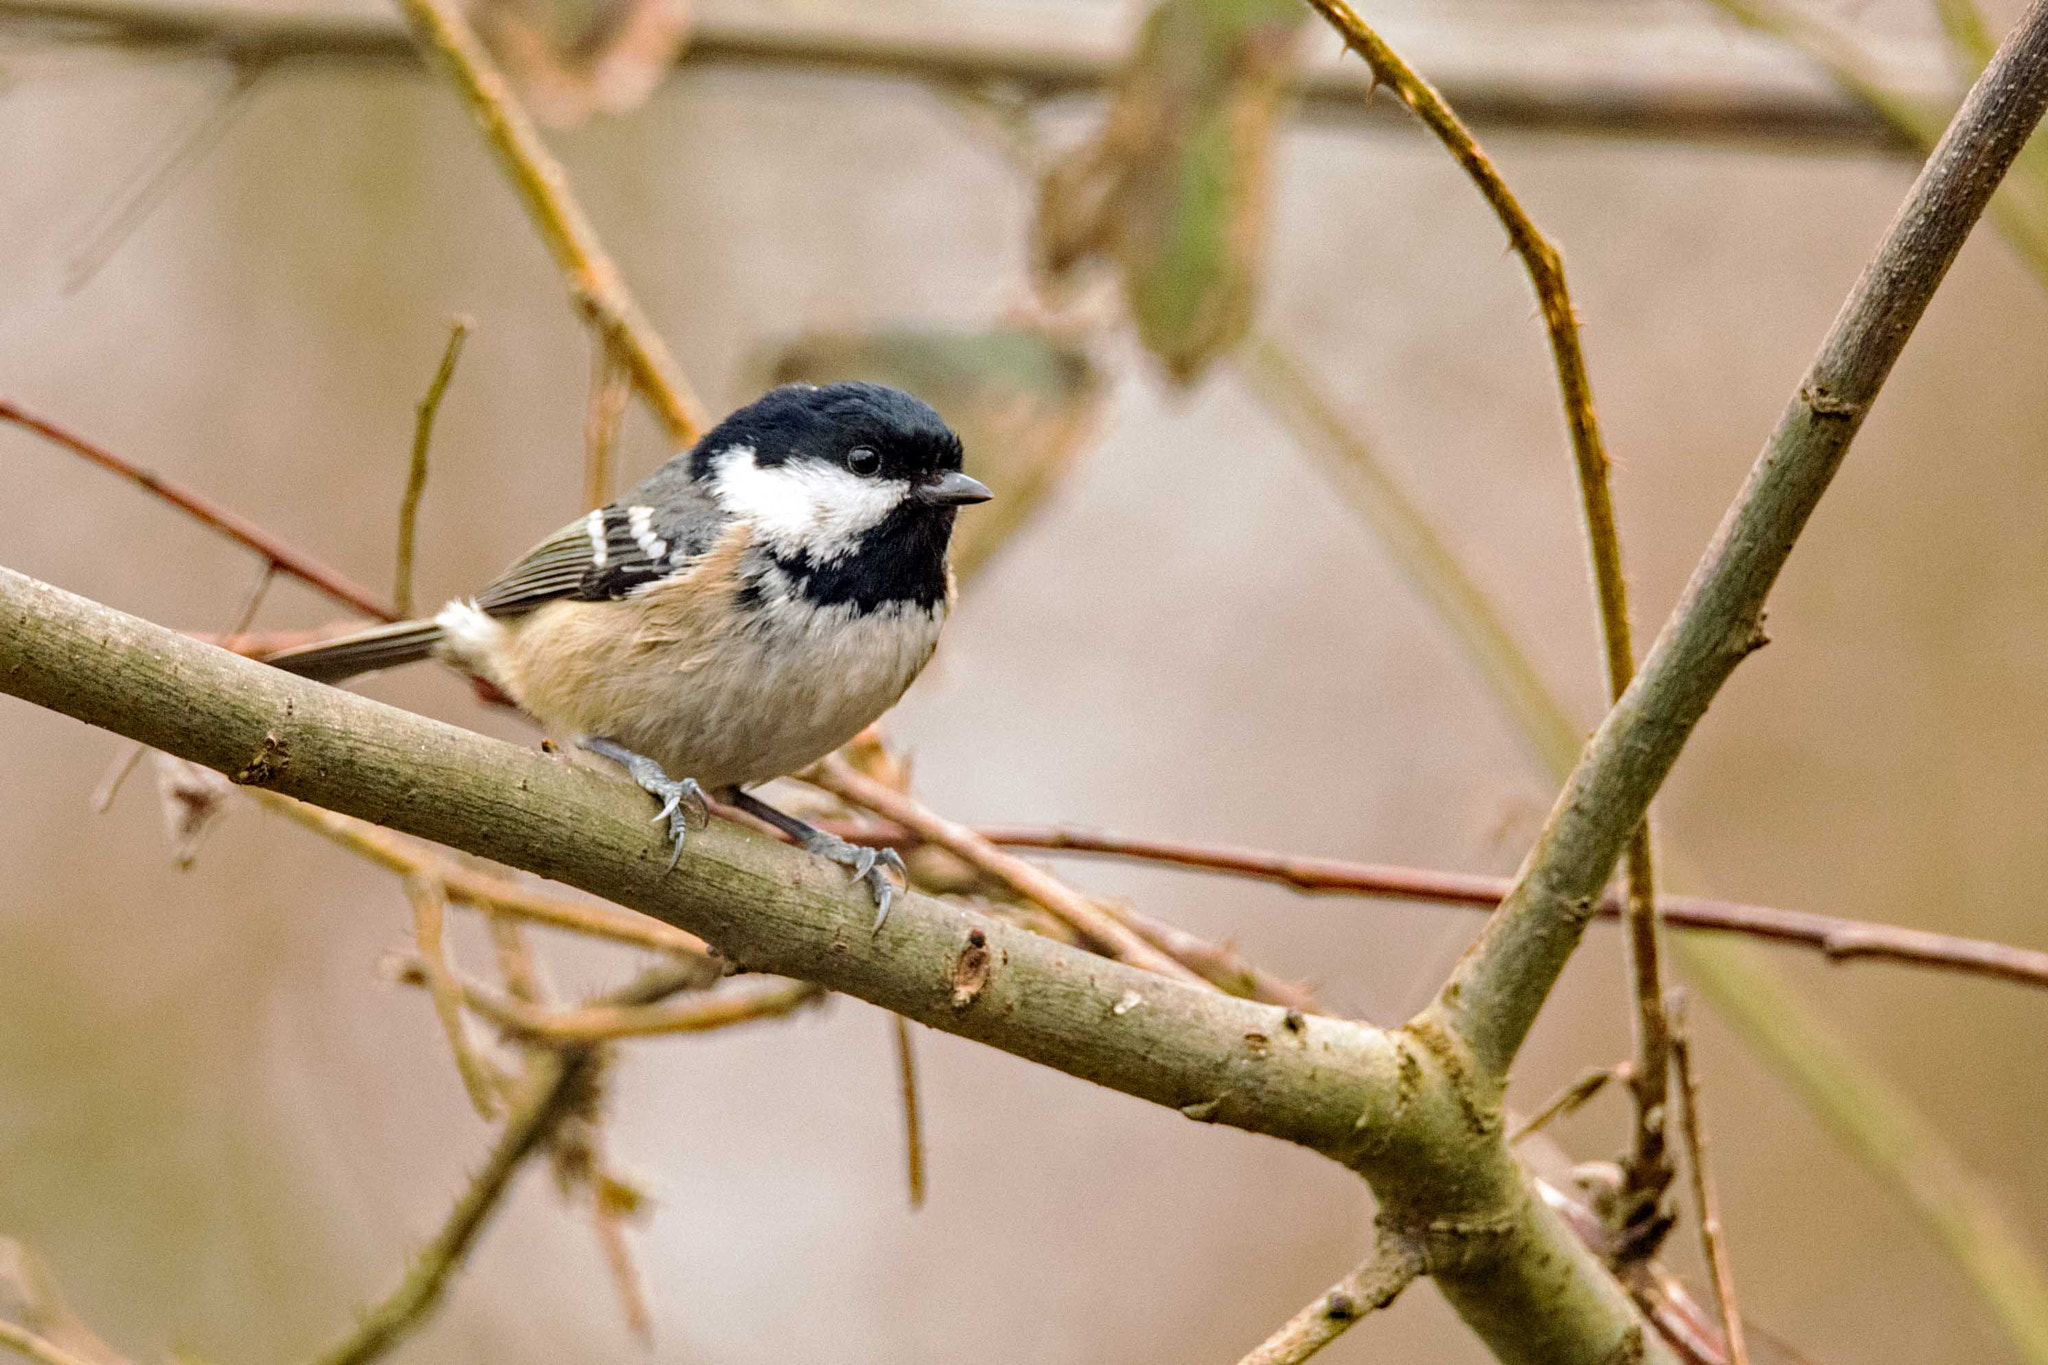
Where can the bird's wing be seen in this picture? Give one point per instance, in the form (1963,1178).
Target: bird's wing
(609,553)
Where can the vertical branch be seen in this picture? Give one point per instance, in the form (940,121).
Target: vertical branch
(416,473)
(593,280)
(1705,1204)
(429,910)
(1648,1166)
(913,1125)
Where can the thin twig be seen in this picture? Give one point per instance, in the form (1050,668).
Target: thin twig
(610,387)
(1840,939)
(1694,99)
(230,524)
(1704,1201)
(582,1025)
(611,1204)
(555,1085)
(499,895)
(1088,919)
(429,906)
(1648,1165)
(913,1125)
(1392,1267)
(1220,964)
(416,471)
(595,285)
(1569,1100)
(166,165)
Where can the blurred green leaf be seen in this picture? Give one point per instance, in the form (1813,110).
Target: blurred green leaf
(1023,400)
(1173,188)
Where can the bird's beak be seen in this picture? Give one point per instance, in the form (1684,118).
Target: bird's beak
(952,489)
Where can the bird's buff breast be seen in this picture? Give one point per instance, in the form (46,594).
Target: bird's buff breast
(727,699)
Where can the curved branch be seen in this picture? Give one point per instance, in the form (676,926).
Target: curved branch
(1402,1108)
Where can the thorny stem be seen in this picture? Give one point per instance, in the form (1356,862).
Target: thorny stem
(595,285)
(235,527)
(416,470)
(1648,1166)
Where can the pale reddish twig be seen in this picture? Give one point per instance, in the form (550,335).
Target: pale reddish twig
(230,524)
(1840,939)
(1090,920)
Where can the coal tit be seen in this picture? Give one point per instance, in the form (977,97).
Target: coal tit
(748,608)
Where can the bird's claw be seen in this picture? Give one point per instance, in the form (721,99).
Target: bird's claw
(683,805)
(869,865)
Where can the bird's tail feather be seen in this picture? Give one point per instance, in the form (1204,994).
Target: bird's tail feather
(364,652)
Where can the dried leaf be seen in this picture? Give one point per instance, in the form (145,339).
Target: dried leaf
(1023,400)
(194,799)
(1173,189)
(572,58)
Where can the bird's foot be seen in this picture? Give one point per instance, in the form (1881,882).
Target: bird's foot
(870,865)
(683,804)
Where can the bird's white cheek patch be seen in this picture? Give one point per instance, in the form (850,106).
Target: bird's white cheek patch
(804,505)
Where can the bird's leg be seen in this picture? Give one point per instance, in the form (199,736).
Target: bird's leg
(868,864)
(682,800)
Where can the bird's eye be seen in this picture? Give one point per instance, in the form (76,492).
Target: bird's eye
(863,460)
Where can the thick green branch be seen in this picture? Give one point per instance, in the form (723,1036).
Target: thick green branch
(1493,997)
(1405,1108)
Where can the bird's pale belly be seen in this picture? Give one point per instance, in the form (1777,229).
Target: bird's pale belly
(756,701)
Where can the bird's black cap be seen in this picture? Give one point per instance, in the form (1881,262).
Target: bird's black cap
(825,422)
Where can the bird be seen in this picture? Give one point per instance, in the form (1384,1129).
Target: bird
(750,606)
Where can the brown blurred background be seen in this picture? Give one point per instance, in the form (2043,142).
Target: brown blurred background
(224,1131)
